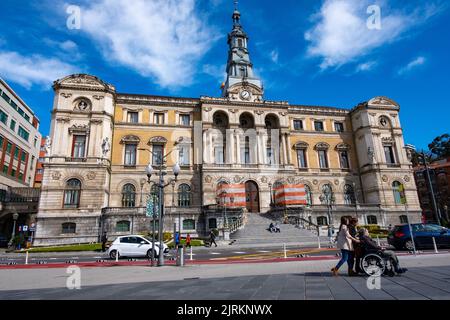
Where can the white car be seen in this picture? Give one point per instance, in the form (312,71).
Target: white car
(134,246)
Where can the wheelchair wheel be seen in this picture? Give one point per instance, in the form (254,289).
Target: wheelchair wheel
(373,265)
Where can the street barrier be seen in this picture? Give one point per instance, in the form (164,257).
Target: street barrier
(435,246)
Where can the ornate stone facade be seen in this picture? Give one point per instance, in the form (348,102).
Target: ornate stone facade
(239,138)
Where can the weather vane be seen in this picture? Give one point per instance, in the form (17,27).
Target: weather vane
(236,4)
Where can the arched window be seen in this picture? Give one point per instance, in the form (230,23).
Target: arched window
(399,192)
(128,195)
(188,224)
(372,220)
(72,193)
(308,195)
(184,195)
(212,223)
(349,194)
(322,221)
(327,196)
(69,227)
(123,226)
(403,219)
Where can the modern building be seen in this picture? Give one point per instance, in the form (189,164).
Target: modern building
(439,176)
(40,164)
(340,161)
(19,150)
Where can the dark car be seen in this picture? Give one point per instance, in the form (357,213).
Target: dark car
(3,241)
(400,236)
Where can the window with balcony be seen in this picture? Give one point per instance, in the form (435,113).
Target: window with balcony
(128,196)
(301,158)
(79,146)
(343,156)
(323,160)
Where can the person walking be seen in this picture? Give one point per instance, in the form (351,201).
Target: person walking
(345,244)
(188,240)
(355,255)
(104,240)
(212,238)
(177,239)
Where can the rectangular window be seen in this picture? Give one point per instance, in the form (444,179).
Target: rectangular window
(16,153)
(301,157)
(158,154)
(23,156)
(133,117)
(13,172)
(3,117)
(8,148)
(35,143)
(345,164)
(12,125)
(79,147)
(23,133)
(323,161)
(20,175)
(32,162)
(339,127)
(185,119)
(130,154)
(158,118)
(184,156)
(270,158)
(389,154)
(318,125)
(247,155)
(218,155)
(5,168)
(298,125)
(1,143)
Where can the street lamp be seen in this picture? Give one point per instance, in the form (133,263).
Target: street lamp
(327,197)
(161,184)
(410,149)
(15,217)
(223,194)
(270,190)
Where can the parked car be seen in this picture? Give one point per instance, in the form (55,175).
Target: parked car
(134,246)
(423,234)
(3,241)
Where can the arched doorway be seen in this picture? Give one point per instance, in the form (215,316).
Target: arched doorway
(252,196)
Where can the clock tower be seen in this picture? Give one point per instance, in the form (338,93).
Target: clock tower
(241,83)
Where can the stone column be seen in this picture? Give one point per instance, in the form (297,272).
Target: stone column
(288,149)
(283,144)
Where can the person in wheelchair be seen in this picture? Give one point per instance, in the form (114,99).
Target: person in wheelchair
(369,245)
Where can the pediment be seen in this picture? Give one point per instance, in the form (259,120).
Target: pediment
(383,101)
(83,81)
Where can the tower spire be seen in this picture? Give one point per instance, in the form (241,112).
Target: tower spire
(240,75)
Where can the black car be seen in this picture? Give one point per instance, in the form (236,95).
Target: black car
(3,241)
(400,236)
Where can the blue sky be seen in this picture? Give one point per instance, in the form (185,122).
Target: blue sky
(307,52)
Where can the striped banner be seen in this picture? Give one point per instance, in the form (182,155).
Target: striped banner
(290,194)
(231,195)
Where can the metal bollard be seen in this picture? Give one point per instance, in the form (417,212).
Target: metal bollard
(26,258)
(435,246)
(180,256)
(378,241)
(191,254)
(284,249)
(117,255)
(318,242)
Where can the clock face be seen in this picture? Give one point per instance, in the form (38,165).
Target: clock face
(245,95)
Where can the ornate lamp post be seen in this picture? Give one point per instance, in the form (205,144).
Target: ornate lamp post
(161,184)
(15,217)
(327,197)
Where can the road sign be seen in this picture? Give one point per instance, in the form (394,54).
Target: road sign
(25,228)
(152,207)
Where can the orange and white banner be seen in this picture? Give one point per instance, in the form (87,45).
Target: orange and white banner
(231,195)
(290,194)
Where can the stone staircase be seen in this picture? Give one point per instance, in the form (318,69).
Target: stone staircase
(255,232)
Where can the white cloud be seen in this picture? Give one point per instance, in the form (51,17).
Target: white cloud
(340,34)
(274,56)
(161,39)
(366,66)
(68,45)
(419,61)
(32,70)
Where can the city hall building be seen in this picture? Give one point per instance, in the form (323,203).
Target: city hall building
(238,153)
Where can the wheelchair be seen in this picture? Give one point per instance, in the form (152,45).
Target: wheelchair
(373,263)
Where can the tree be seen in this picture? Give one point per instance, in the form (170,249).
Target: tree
(440,147)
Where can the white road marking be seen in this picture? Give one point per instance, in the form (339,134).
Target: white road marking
(263,251)
(53,258)
(215,252)
(218,259)
(239,252)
